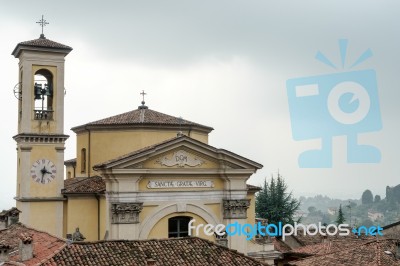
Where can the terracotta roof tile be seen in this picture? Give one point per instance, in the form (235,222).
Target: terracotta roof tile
(44,244)
(41,42)
(368,253)
(189,251)
(328,246)
(93,184)
(306,240)
(280,245)
(142,117)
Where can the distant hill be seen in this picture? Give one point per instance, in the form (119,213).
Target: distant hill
(393,194)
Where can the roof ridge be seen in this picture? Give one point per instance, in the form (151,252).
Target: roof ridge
(142,117)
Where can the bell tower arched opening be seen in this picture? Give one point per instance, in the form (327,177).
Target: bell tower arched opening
(44,92)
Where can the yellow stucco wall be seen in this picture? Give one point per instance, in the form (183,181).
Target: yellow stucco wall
(69,172)
(216,209)
(82,213)
(65,219)
(110,144)
(146,211)
(103,214)
(251,211)
(45,216)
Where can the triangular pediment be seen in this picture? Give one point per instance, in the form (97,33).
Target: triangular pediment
(180,153)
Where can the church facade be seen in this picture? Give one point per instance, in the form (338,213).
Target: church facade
(137,175)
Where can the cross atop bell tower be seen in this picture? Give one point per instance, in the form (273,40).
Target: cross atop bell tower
(43,24)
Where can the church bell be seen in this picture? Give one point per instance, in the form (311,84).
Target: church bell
(38,91)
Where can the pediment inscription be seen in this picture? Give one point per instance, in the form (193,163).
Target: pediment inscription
(180,158)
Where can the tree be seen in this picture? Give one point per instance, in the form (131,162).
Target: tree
(311,209)
(340,218)
(275,204)
(367,197)
(377,199)
(325,220)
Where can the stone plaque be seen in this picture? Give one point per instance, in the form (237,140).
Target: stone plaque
(180,158)
(180,184)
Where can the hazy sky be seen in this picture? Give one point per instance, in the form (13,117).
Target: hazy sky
(220,63)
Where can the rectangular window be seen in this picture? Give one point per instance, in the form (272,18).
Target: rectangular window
(178,226)
(83,160)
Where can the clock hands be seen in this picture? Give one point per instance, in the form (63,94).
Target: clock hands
(44,171)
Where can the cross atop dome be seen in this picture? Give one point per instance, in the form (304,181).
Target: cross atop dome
(143,106)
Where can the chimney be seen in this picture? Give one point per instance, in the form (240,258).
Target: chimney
(151,262)
(4,252)
(25,246)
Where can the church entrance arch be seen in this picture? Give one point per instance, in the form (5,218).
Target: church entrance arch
(177,209)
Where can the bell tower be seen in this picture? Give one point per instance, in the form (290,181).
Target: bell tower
(41,139)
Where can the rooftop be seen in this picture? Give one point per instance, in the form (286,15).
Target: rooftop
(93,184)
(44,244)
(40,44)
(142,117)
(188,251)
(375,252)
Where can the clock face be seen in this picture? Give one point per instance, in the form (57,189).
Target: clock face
(43,171)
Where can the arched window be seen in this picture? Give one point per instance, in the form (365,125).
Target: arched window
(178,226)
(83,160)
(43,90)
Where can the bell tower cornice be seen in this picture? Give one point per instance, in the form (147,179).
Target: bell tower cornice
(40,138)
